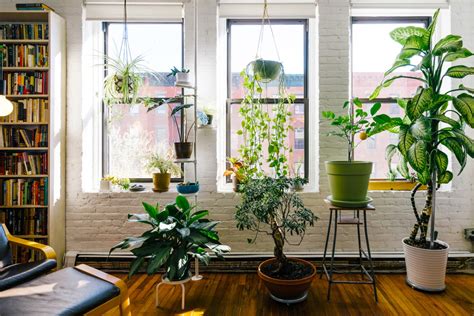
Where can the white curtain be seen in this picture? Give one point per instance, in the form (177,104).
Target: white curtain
(400,4)
(137,10)
(276,8)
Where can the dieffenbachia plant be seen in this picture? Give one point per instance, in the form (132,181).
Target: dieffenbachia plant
(431,128)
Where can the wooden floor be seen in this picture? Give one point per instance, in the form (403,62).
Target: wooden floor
(244,294)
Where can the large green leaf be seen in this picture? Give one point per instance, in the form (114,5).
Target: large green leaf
(141,218)
(459,72)
(375,108)
(402,168)
(457,149)
(135,265)
(464,103)
(406,140)
(450,43)
(443,118)
(390,151)
(180,107)
(458,54)
(417,156)
(399,63)
(402,34)
(431,28)
(158,259)
(420,103)
(466,142)
(163,215)
(445,177)
(197,215)
(150,209)
(182,202)
(421,129)
(441,160)
(424,176)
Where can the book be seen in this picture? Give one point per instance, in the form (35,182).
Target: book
(33,7)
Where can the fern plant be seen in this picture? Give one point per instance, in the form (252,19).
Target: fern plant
(430,127)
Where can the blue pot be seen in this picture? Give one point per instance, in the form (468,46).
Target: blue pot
(188,188)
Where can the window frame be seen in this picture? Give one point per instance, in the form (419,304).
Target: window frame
(305,100)
(385,184)
(105,110)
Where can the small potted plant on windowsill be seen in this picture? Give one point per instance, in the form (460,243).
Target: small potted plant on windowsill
(121,183)
(188,187)
(349,180)
(236,171)
(166,168)
(269,206)
(175,235)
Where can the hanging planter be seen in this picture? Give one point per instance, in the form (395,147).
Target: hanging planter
(265,70)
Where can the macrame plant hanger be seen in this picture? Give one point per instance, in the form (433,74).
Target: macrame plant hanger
(125,54)
(266,18)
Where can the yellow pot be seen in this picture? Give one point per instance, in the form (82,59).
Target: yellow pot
(161,182)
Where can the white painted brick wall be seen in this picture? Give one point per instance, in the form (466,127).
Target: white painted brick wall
(96,221)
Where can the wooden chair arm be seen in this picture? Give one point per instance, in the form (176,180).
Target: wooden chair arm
(48,252)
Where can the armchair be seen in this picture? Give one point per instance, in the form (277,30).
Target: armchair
(13,274)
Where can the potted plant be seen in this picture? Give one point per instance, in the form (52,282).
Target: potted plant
(429,130)
(269,206)
(236,170)
(165,167)
(121,183)
(349,180)
(182,76)
(174,236)
(265,70)
(124,80)
(183,148)
(188,187)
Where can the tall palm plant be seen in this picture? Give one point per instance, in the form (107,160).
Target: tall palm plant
(430,128)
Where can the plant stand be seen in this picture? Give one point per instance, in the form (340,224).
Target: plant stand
(349,220)
(166,281)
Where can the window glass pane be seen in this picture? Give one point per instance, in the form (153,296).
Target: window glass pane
(289,40)
(295,138)
(373,53)
(132,133)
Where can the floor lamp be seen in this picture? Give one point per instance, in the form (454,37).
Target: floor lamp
(6,107)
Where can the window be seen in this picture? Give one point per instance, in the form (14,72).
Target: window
(130,132)
(292,43)
(373,53)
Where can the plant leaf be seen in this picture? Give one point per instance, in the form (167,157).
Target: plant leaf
(464,103)
(459,72)
(406,140)
(441,160)
(417,156)
(402,34)
(420,103)
(421,129)
(398,64)
(150,209)
(402,168)
(457,149)
(375,108)
(182,202)
(466,142)
(197,215)
(460,53)
(158,259)
(135,265)
(443,118)
(445,177)
(450,43)
(424,176)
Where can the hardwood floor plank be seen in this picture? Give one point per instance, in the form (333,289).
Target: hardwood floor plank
(245,295)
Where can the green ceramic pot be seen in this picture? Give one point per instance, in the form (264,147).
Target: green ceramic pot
(267,70)
(349,181)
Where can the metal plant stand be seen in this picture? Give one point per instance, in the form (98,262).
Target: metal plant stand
(353,219)
(166,281)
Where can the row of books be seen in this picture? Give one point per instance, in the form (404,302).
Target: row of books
(32,31)
(25,55)
(28,221)
(22,83)
(23,163)
(12,136)
(24,192)
(28,111)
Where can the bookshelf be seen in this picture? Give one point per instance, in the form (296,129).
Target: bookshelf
(32,138)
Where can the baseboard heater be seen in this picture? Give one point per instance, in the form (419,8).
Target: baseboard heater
(384,262)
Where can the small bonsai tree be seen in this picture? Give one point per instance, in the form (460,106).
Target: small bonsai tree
(269,206)
(423,141)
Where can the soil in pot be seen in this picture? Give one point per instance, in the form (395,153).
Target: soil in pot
(292,270)
(417,243)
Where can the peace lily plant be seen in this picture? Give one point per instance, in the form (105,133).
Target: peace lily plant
(432,127)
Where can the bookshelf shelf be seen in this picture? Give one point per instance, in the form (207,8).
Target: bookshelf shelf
(23,176)
(23,206)
(39,98)
(24,123)
(23,41)
(23,69)
(25,96)
(24,148)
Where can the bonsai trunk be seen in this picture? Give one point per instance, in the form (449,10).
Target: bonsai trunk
(279,241)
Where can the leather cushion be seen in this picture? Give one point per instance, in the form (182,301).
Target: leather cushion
(5,251)
(64,292)
(15,274)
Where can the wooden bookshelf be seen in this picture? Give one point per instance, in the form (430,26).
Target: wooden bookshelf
(50,218)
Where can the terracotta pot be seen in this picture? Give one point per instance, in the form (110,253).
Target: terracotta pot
(287,291)
(161,182)
(183,150)
(426,268)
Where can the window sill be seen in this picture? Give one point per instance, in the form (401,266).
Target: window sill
(397,185)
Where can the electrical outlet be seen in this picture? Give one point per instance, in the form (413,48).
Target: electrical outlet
(469,234)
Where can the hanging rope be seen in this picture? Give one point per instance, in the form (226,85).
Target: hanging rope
(125,53)
(266,17)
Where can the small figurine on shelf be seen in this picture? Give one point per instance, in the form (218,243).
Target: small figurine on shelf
(182,76)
